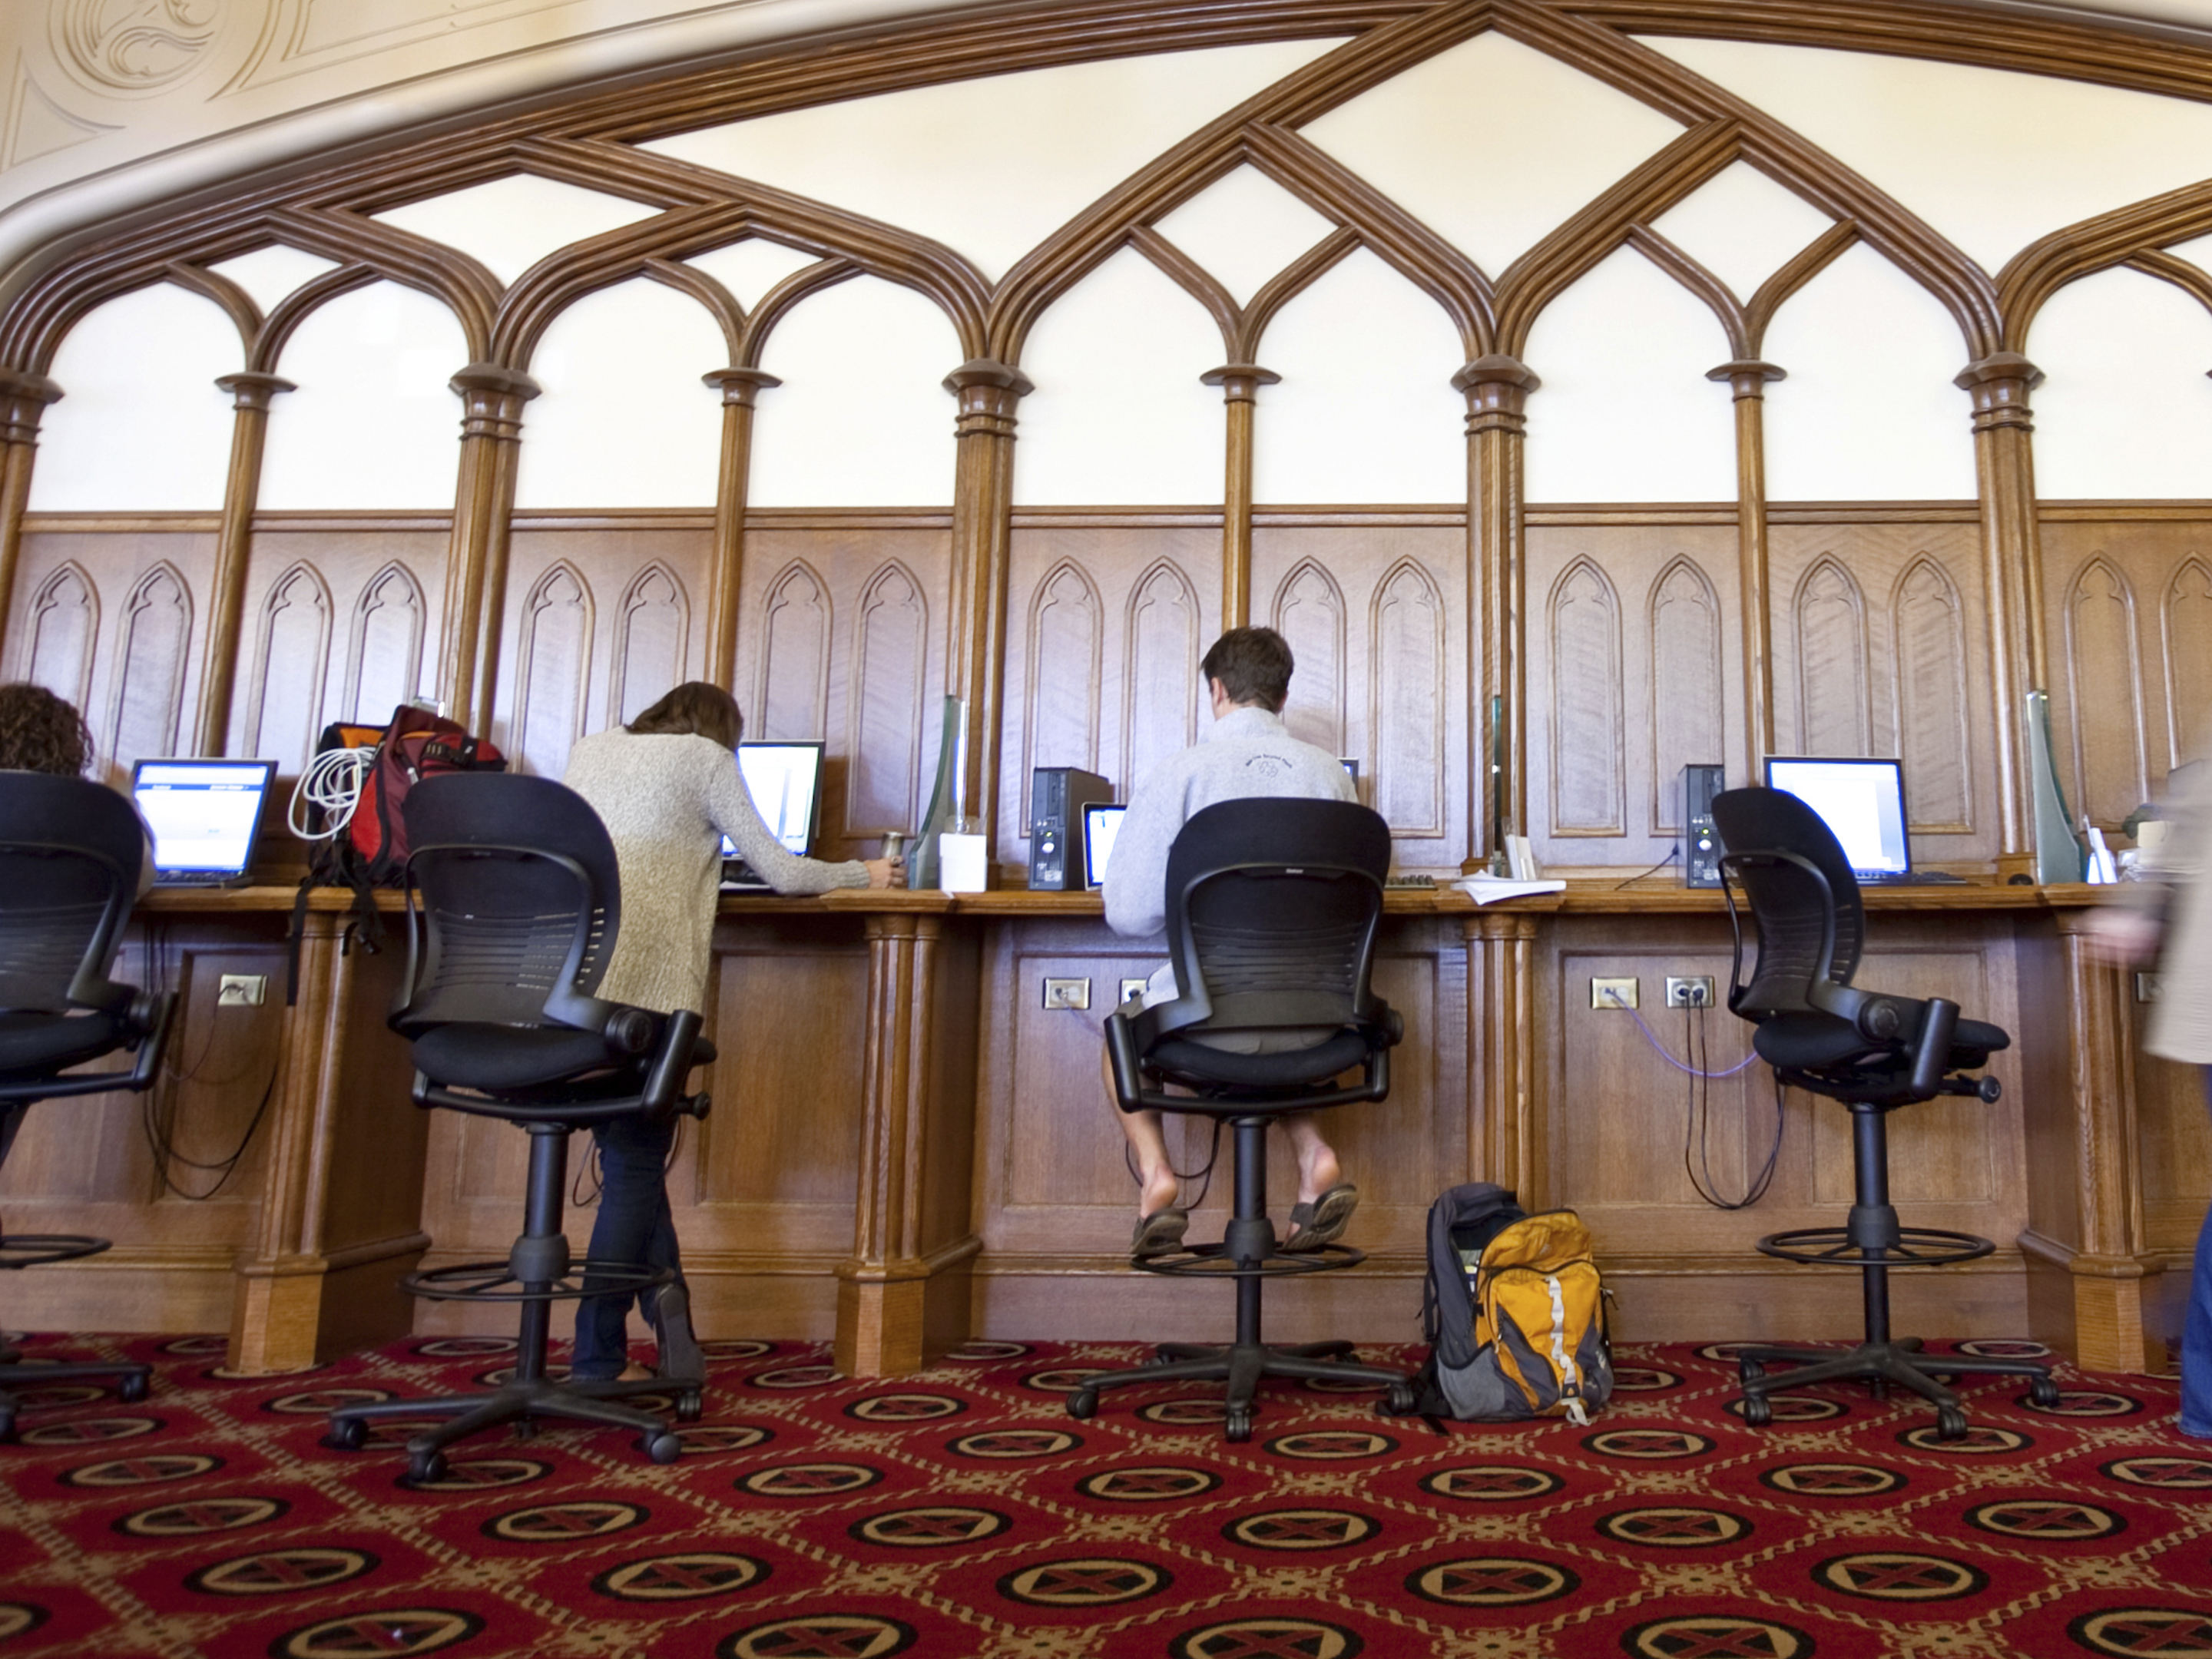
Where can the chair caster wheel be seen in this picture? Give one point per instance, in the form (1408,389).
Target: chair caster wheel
(1950,1423)
(2044,1393)
(688,1405)
(346,1434)
(1083,1404)
(1400,1399)
(424,1468)
(1748,1372)
(1237,1425)
(662,1448)
(132,1390)
(1758,1412)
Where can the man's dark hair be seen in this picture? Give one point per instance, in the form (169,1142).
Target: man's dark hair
(42,732)
(1254,667)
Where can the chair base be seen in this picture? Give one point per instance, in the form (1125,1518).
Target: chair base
(1241,1365)
(18,1378)
(521,1402)
(1901,1363)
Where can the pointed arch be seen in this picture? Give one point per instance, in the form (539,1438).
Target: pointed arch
(891,660)
(552,669)
(1067,662)
(652,629)
(793,697)
(1159,679)
(1928,656)
(1406,720)
(1828,621)
(384,644)
(150,658)
(2186,619)
(1686,696)
(2104,691)
(64,627)
(1309,613)
(1583,621)
(291,661)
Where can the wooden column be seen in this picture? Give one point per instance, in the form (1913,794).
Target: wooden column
(902,1295)
(2011,564)
(475,564)
(1496,388)
(306,1287)
(1240,384)
(1502,1048)
(738,388)
(2088,1270)
(23,400)
(250,395)
(982,511)
(1748,379)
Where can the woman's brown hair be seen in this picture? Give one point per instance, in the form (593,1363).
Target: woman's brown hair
(694,708)
(42,732)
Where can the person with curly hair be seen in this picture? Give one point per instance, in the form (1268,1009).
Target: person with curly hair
(42,732)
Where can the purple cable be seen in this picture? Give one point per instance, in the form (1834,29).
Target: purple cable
(1652,1038)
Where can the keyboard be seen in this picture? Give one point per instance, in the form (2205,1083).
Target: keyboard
(1907,878)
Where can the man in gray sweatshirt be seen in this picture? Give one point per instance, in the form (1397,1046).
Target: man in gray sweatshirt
(1246,752)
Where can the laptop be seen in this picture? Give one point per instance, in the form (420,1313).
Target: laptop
(1863,801)
(785,781)
(205,816)
(1101,824)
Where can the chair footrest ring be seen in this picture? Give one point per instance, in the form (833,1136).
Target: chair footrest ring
(36,1250)
(1915,1246)
(495,1281)
(1214,1262)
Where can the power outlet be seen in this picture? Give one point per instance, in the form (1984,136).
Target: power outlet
(1067,993)
(1132,990)
(241,990)
(1690,991)
(1613,992)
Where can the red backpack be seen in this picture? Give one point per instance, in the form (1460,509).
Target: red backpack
(371,851)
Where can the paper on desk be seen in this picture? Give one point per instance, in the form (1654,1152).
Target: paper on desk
(1488,890)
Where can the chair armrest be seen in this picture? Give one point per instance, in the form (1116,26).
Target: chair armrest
(1933,1051)
(671,1063)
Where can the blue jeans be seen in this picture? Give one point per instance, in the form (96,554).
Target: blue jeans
(2197,1336)
(634,1225)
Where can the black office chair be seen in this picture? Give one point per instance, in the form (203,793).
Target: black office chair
(1873,1052)
(70,852)
(520,909)
(1272,907)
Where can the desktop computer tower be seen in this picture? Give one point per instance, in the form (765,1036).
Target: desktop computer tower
(1701,844)
(1058,795)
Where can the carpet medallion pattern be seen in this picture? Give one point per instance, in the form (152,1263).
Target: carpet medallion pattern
(960,1514)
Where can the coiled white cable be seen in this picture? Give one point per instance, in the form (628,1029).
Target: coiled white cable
(331,783)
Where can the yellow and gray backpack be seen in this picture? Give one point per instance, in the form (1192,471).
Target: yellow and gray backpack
(1514,1310)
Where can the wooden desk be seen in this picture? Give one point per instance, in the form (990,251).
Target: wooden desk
(907,1148)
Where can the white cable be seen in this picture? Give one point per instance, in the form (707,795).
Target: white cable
(331,783)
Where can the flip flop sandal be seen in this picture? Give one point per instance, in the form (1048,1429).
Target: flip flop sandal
(1159,1233)
(1322,1222)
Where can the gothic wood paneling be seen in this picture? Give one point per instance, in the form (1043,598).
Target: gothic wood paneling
(1066,638)
(151,658)
(1406,658)
(1928,629)
(1309,613)
(64,627)
(291,657)
(653,628)
(1685,696)
(794,694)
(552,670)
(1583,625)
(1159,683)
(2103,656)
(890,656)
(2186,629)
(1828,621)
(384,644)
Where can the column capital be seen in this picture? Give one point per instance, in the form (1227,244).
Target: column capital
(23,400)
(1496,388)
(253,390)
(492,399)
(1240,383)
(1748,376)
(987,391)
(1999,385)
(738,386)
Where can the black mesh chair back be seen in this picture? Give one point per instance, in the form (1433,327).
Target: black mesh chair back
(70,851)
(1812,924)
(1272,907)
(520,899)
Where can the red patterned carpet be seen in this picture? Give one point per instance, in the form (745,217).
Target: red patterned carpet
(960,1514)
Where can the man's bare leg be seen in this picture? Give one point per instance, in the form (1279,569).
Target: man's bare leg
(1157,1186)
(1317,1167)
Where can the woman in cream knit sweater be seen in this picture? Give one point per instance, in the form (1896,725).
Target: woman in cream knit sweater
(667,787)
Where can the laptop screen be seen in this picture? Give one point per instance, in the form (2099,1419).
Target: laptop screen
(785,781)
(1863,801)
(204,813)
(1101,824)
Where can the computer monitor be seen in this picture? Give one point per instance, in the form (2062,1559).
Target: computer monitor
(1863,801)
(1101,824)
(785,781)
(205,815)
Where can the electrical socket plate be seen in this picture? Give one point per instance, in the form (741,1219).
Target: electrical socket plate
(1132,990)
(1690,991)
(1610,993)
(1067,993)
(240,990)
